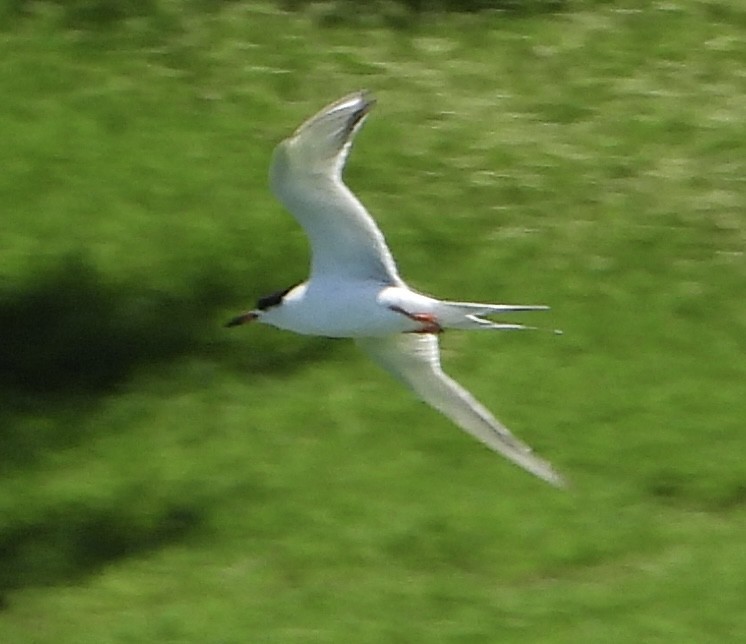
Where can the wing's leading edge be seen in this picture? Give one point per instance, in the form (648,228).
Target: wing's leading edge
(306,176)
(414,359)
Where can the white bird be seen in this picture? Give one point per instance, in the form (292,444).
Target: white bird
(354,289)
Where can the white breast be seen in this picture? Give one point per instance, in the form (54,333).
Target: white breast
(347,309)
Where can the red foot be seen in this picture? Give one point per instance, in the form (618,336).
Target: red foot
(429,323)
(428,320)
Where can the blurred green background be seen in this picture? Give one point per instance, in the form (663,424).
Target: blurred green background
(166,480)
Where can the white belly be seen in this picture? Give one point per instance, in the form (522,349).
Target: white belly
(349,309)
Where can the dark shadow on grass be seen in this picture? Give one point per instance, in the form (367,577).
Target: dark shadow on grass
(686,491)
(68,541)
(65,331)
(68,338)
(72,542)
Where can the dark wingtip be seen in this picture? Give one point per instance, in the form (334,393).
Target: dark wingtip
(367,102)
(367,97)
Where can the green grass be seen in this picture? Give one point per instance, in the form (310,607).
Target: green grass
(166,480)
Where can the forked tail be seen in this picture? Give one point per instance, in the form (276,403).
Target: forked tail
(466,315)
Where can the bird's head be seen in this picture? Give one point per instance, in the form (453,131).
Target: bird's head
(264,305)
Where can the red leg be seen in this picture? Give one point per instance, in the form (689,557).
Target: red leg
(429,321)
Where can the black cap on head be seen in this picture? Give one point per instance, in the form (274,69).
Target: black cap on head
(273,299)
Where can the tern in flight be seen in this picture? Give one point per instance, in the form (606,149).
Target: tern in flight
(354,289)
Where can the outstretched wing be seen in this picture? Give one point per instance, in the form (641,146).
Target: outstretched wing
(415,360)
(306,176)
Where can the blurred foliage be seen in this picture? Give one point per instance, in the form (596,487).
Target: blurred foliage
(393,13)
(404,13)
(167,480)
(91,13)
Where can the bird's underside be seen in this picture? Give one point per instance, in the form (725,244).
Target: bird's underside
(354,289)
